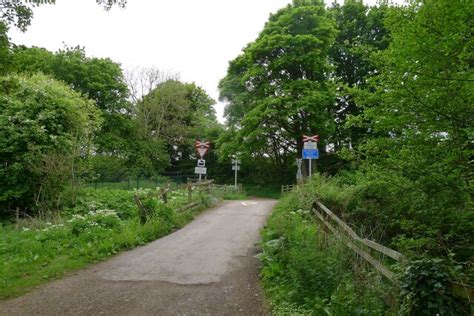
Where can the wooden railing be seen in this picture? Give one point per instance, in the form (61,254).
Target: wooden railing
(228,188)
(162,194)
(345,233)
(288,188)
(353,241)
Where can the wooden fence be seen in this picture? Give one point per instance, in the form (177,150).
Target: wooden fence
(190,187)
(227,188)
(288,188)
(357,244)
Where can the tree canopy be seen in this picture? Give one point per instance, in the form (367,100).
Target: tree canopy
(279,87)
(42,123)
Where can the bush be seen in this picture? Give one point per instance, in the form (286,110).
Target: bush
(44,129)
(426,291)
(305,271)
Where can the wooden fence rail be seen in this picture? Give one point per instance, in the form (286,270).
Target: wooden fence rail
(228,187)
(288,188)
(351,239)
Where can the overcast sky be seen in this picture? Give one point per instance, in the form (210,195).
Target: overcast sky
(194,38)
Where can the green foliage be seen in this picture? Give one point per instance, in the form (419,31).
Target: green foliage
(98,79)
(425,289)
(361,34)
(174,115)
(396,212)
(234,196)
(264,191)
(90,199)
(422,109)
(104,223)
(306,272)
(44,128)
(4,49)
(17,13)
(20,13)
(278,88)
(415,167)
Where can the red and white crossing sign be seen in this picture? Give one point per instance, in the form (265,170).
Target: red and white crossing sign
(314,138)
(202,147)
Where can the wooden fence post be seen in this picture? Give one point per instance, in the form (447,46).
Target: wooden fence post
(17,216)
(142,211)
(190,192)
(164,195)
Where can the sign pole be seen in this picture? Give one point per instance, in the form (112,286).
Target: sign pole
(310,163)
(235,173)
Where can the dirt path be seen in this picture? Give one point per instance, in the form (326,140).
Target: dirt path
(206,268)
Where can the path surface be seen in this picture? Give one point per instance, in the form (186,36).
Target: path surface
(206,268)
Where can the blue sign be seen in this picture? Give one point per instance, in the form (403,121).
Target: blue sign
(310,154)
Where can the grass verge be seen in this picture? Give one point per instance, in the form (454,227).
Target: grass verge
(103,223)
(306,272)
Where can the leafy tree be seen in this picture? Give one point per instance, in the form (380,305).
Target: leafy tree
(4,49)
(99,79)
(20,13)
(176,114)
(45,130)
(422,114)
(361,33)
(164,111)
(279,87)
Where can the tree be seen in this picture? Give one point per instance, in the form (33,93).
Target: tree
(98,79)
(420,108)
(361,33)
(4,49)
(14,12)
(46,129)
(279,89)
(176,113)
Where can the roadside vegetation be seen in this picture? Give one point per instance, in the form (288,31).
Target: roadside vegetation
(388,89)
(308,271)
(102,223)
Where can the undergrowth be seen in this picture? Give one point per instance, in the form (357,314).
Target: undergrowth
(103,223)
(308,272)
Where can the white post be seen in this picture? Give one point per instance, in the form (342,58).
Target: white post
(310,163)
(235,166)
(200,175)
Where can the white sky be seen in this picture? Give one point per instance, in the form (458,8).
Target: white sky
(194,38)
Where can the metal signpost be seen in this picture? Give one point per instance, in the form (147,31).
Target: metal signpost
(236,167)
(310,149)
(299,174)
(202,147)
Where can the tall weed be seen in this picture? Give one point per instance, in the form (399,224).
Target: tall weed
(308,272)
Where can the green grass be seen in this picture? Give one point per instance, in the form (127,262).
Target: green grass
(268,191)
(308,272)
(235,196)
(103,223)
(127,185)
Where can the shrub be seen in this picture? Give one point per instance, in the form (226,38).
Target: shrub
(425,289)
(305,271)
(45,128)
